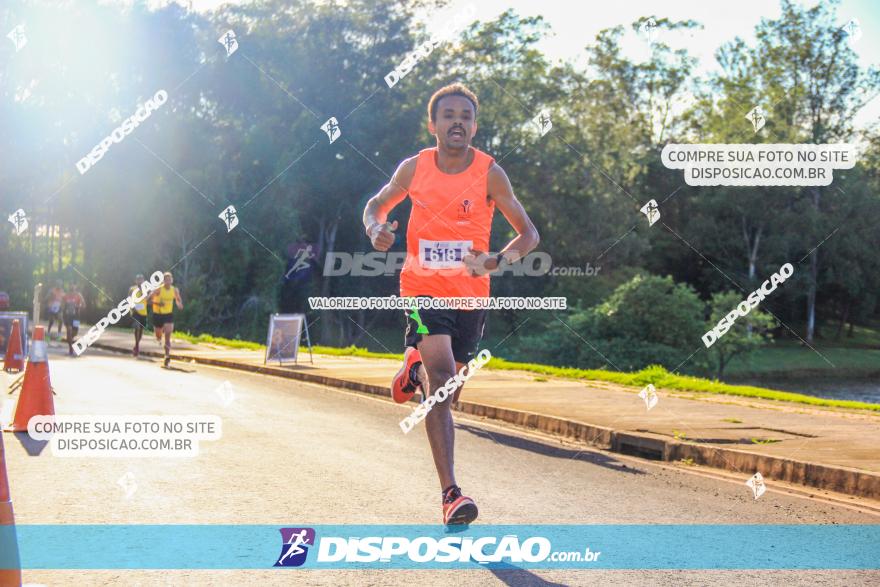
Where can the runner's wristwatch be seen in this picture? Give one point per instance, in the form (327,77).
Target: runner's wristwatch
(499,258)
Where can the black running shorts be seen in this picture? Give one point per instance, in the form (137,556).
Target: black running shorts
(465,327)
(160,320)
(138,320)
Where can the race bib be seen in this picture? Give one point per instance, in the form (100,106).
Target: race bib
(54,307)
(442,254)
(75,323)
(140,306)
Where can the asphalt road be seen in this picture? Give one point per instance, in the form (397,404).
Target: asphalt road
(294,451)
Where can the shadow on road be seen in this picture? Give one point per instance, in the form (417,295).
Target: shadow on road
(173,368)
(512,575)
(594,458)
(33,447)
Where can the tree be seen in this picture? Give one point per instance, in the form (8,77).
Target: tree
(804,72)
(746,335)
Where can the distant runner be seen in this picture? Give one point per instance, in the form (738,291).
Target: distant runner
(54,299)
(73,304)
(163,300)
(454,190)
(138,314)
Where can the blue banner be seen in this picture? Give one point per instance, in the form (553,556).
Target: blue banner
(434,547)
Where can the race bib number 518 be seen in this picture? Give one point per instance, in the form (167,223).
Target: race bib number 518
(442,254)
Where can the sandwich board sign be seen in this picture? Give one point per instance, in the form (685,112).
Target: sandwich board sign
(285,334)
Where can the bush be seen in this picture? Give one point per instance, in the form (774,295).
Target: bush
(746,335)
(648,320)
(654,310)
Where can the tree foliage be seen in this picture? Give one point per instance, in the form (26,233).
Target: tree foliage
(244,130)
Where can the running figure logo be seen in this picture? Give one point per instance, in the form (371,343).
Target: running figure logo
(17,37)
(756,117)
(853,31)
(649,394)
(331,127)
(294,547)
(230,217)
(19,221)
(543,122)
(229,42)
(648,30)
(302,260)
(225,393)
(128,484)
(652,211)
(756,483)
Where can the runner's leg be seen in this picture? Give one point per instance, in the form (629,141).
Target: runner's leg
(436,351)
(169,328)
(138,333)
(423,376)
(458,367)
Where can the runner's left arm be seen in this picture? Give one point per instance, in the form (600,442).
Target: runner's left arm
(177,299)
(527,237)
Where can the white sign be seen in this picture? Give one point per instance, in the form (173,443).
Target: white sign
(285,331)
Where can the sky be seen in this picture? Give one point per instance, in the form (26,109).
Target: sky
(575,23)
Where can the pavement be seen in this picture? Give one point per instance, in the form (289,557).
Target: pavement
(293,452)
(830,449)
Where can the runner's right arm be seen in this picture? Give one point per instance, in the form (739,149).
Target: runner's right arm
(377,209)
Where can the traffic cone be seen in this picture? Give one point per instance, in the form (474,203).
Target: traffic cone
(14,356)
(10,563)
(35,398)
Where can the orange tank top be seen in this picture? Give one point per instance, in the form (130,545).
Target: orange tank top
(450,212)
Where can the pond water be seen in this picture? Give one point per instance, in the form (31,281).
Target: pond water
(862,390)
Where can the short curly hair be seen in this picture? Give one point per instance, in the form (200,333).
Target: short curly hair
(456,89)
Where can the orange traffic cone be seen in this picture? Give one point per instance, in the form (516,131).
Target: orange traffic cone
(35,398)
(10,563)
(14,356)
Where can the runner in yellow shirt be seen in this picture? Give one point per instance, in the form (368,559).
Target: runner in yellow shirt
(138,314)
(163,300)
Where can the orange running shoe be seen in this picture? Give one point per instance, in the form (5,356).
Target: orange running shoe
(458,508)
(405,383)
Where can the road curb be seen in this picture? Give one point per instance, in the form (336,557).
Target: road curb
(641,444)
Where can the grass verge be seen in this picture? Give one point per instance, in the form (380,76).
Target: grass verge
(654,374)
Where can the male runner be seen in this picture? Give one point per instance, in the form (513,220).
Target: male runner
(454,190)
(73,303)
(138,314)
(163,300)
(54,299)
